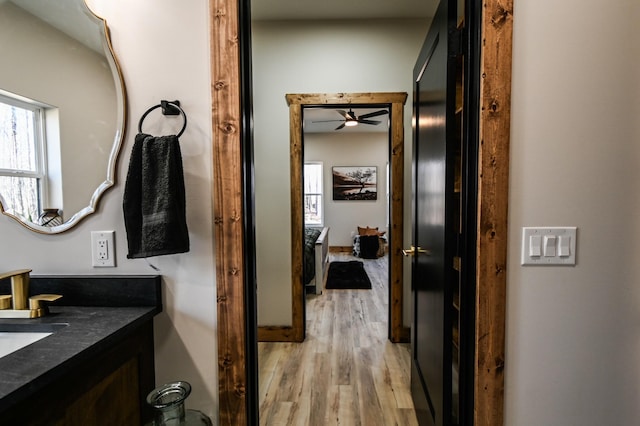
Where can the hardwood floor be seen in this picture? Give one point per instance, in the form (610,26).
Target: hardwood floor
(346,372)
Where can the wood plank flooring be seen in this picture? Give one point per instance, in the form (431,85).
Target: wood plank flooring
(346,372)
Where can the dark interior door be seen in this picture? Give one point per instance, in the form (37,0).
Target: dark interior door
(434,201)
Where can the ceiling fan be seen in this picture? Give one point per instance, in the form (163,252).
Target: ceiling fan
(351,119)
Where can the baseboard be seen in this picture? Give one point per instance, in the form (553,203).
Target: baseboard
(340,249)
(405,335)
(276,334)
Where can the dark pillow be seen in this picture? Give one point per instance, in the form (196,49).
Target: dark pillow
(369,245)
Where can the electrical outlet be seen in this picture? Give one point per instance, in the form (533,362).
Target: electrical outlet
(103,252)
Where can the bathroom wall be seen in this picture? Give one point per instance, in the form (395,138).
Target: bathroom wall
(573,351)
(163,48)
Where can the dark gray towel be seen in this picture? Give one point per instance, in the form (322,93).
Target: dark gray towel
(154,198)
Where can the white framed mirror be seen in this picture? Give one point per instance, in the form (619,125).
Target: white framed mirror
(62,112)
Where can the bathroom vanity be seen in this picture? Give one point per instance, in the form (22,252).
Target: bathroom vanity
(97,366)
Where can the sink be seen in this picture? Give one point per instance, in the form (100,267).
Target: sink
(15,336)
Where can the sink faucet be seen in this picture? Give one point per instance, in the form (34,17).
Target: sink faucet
(14,305)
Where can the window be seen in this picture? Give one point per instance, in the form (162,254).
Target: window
(313,194)
(21,157)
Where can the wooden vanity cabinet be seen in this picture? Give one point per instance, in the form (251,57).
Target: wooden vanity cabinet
(104,388)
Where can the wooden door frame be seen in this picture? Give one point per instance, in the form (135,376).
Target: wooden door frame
(232,209)
(296,102)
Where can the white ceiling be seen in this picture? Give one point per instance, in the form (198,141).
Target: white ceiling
(341,9)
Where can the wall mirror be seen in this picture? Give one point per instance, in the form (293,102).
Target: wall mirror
(62,112)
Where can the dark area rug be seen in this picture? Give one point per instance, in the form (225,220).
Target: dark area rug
(347,275)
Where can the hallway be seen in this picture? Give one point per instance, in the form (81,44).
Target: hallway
(346,372)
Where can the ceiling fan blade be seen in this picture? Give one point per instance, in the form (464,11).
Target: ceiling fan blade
(327,121)
(340,127)
(375,114)
(350,115)
(374,122)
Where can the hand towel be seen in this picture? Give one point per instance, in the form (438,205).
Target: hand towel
(154,198)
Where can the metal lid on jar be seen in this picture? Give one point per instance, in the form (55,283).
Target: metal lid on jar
(169,394)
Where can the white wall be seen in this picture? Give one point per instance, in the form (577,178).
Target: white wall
(350,149)
(163,49)
(312,57)
(573,333)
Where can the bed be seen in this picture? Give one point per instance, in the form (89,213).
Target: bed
(316,259)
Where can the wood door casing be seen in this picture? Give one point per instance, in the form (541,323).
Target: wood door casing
(493,200)
(234,366)
(396,101)
(230,66)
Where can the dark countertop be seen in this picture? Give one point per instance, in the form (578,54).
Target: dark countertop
(91,330)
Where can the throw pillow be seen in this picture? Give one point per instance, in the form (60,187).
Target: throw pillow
(370,231)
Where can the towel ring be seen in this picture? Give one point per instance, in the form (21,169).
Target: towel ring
(168,108)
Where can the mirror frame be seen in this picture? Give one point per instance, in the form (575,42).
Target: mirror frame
(230,32)
(121,125)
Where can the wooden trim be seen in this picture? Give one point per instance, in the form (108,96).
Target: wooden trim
(396,100)
(297,219)
(346,98)
(276,334)
(396,231)
(493,186)
(228,211)
(340,249)
(405,336)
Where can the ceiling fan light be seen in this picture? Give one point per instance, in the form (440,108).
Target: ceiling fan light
(350,123)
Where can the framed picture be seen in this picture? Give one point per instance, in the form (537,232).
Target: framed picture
(355,183)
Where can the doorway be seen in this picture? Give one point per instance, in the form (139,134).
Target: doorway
(231,122)
(395,102)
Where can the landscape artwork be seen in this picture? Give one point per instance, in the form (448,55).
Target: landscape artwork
(355,183)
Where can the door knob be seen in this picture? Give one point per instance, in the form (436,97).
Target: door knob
(415,250)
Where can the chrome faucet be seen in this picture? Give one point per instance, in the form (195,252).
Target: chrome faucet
(14,305)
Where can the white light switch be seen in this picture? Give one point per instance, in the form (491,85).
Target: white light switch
(549,246)
(535,244)
(564,245)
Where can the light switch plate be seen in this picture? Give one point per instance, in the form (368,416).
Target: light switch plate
(556,255)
